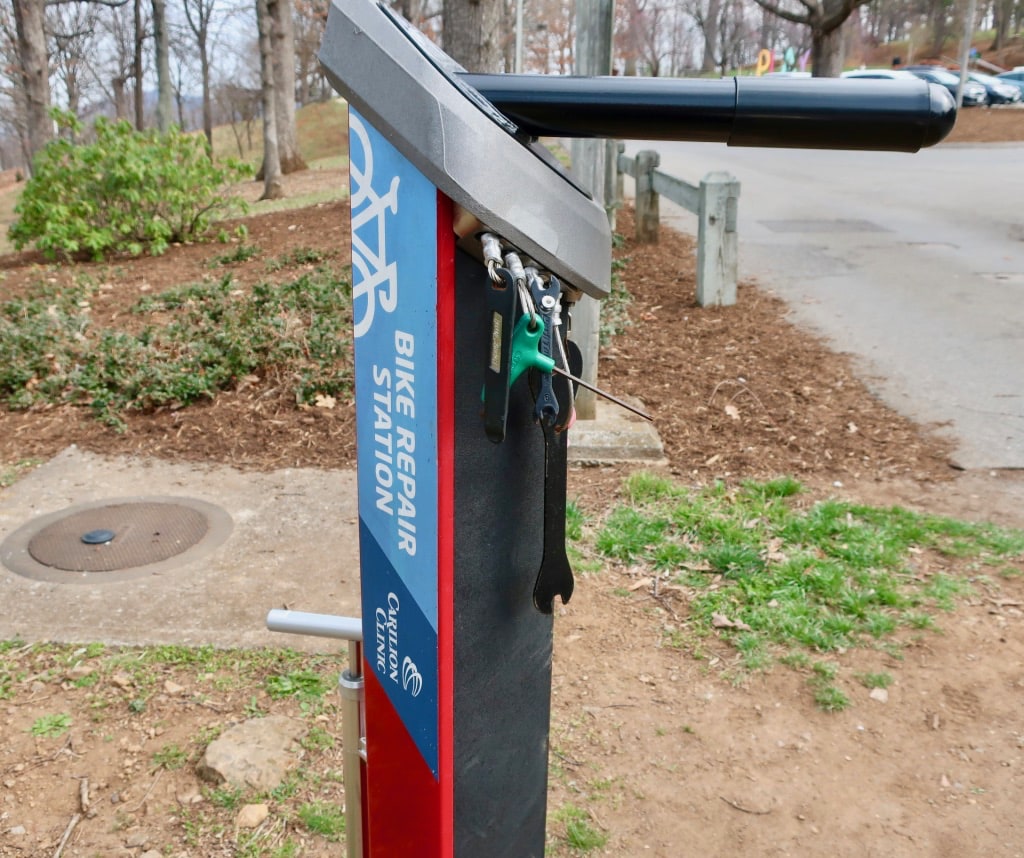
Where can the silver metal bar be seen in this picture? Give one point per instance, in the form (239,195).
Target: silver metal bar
(603,393)
(315,625)
(350,685)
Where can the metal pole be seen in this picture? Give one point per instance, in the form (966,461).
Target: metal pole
(315,625)
(350,685)
(519,37)
(592,56)
(965,52)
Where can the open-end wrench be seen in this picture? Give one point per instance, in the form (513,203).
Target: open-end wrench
(545,299)
(555,578)
(501,303)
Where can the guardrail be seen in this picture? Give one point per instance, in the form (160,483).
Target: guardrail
(714,202)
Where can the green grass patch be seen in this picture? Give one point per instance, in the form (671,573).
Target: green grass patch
(51,726)
(170,757)
(299,683)
(875,680)
(580,834)
(11,473)
(321,127)
(226,797)
(795,577)
(298,332)
(327,820)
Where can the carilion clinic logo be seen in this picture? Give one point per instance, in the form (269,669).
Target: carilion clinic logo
(412,681)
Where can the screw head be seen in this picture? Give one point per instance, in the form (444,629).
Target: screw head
(98,537)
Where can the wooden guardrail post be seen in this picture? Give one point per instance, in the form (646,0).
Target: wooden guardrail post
(717,240)
(715,203)
(646,197)
(615,191)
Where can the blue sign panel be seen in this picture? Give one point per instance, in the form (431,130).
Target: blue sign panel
(394,297)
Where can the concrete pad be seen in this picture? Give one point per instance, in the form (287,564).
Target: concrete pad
(615,436)
(294,544)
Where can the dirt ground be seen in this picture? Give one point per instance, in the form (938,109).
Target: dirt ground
(668,749)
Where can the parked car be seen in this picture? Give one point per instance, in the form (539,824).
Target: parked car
(1014,78)
(974,93)
(998,91)
(879,74)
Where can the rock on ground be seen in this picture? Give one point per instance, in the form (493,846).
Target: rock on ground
(256,754)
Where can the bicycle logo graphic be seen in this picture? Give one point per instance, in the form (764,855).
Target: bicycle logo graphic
(375,280)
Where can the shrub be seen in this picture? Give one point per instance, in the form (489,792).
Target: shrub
(127,192)
(296,333)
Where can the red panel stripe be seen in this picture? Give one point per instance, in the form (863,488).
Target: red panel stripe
(446,518)
(409,824)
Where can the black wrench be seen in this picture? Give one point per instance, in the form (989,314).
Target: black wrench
(501,302)
(545,299)
(555,578)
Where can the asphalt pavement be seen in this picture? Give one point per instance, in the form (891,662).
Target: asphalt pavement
(912,263)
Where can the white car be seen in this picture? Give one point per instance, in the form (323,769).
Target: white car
(879,74)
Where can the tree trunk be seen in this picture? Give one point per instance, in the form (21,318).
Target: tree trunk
(117,85)
(827,52)
(709,26)
(272,188)
(140,106)
(204,70)
(1003,11)
(161,41)
(471,31)
(73,92)
(940,28)
(282,43)
(35,78)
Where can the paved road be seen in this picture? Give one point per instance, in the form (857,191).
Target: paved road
(914,263)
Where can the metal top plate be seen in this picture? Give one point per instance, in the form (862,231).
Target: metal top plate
(464,147)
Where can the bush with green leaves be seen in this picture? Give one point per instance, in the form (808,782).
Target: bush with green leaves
(127,192)
(295,332)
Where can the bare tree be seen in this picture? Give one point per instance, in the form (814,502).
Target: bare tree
(272,188)
(243,105)
(708,17)
(472,33)
(138,67)
(549,32)
(651,35)
(282,45)
(199,14)
(119,63)
(33,68)
(162,50)
(824,18)
(310,20)
(12,94)
(74,29)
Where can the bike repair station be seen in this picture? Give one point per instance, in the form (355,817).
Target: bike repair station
(470,246)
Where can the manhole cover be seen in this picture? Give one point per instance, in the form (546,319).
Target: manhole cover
(140,534)
(115,540)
